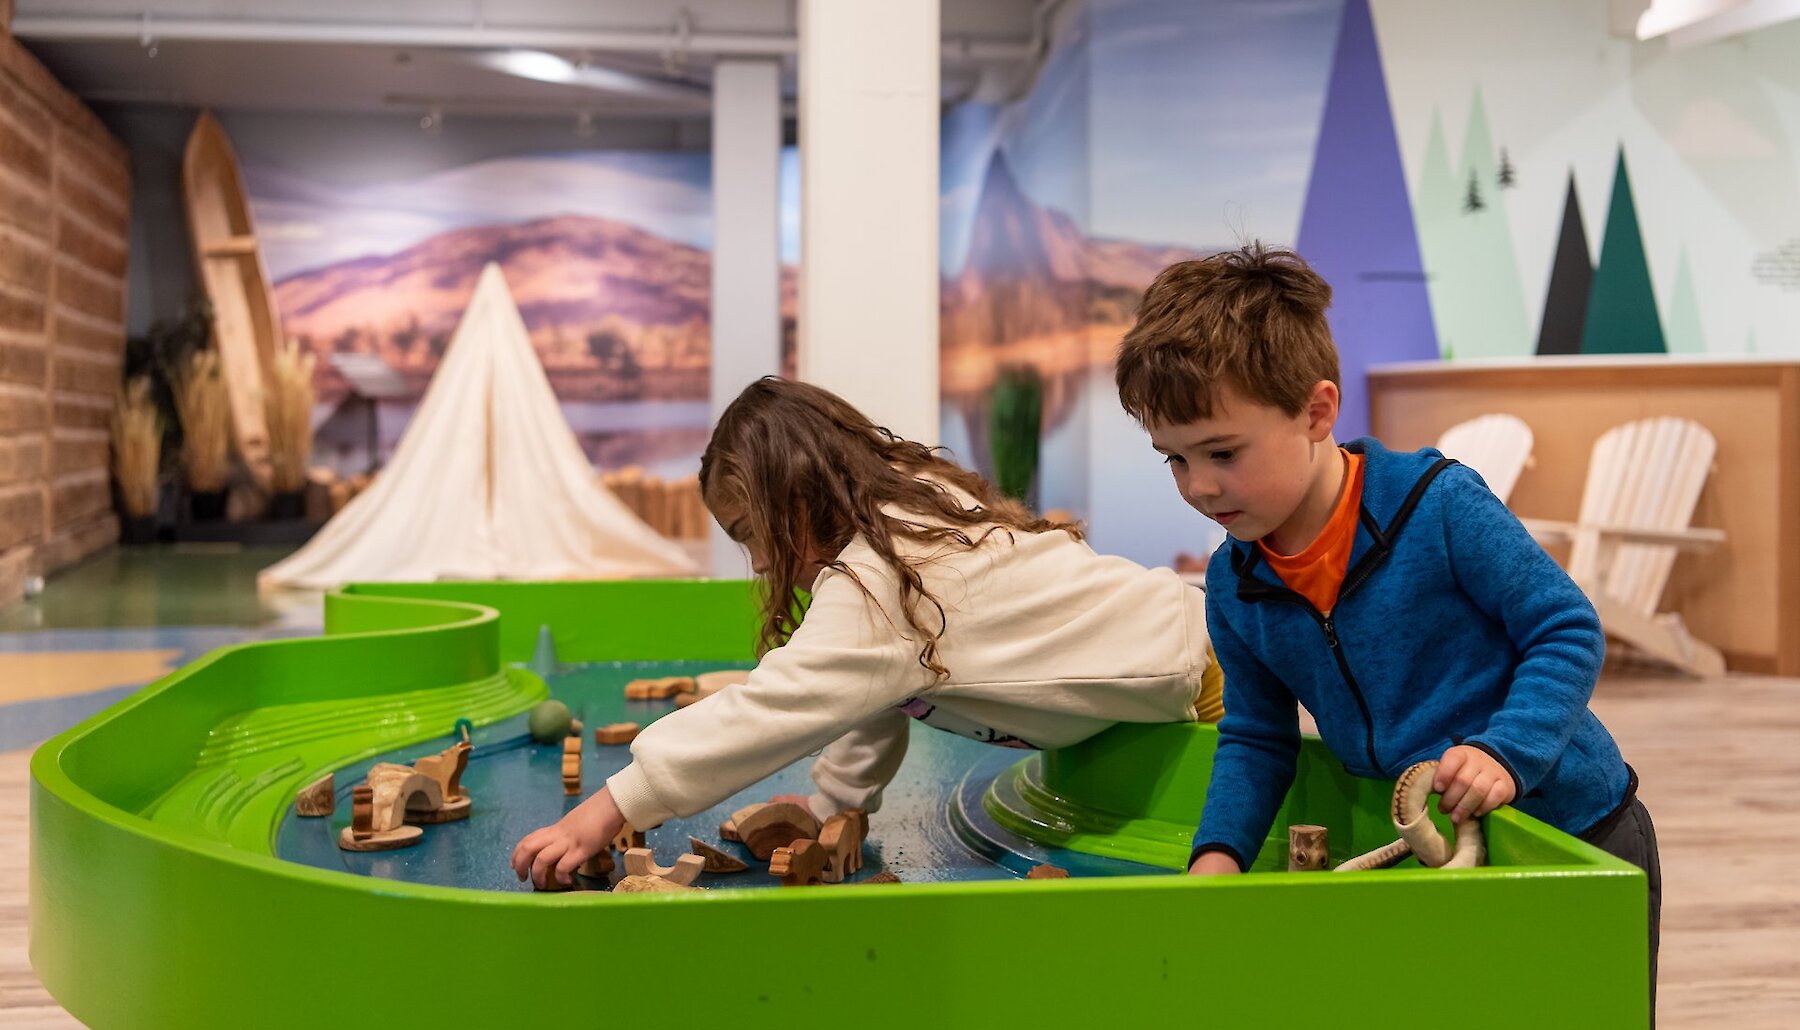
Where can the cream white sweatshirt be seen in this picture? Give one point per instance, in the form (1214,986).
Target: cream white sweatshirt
(1047,643)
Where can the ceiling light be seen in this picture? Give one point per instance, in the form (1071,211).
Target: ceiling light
(532,64)
(542,66)
(1694,22)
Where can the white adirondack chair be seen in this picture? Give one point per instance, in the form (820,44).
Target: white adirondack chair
(1644,479)
(1497,446)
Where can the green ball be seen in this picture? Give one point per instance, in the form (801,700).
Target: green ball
(549,722)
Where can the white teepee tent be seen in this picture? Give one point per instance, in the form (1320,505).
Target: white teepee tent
(488,482)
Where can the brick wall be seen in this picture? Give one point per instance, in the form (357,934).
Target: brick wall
(65,194)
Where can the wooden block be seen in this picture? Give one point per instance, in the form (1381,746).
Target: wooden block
(716,861)
(317,798)
(683,700)
(728,830)
(399,789)
(628,838)
(451,811)
(575,728)
(658,689)
(554,885)
(571,766)
(647,885)
(709,683)
(800,864)
(842,839)
(599,867)
(386,840)
(617,733)
(775,826)
(884,876)
(641,862)
(361,834)
(1046,871)
(1309,848)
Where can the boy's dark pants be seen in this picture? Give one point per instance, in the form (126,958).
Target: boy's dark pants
(1628,834)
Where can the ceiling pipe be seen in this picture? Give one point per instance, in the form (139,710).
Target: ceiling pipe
(71,29)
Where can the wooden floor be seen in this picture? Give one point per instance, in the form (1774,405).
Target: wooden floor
(1720,763)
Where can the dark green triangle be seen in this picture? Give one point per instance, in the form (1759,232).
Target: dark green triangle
(1621,311)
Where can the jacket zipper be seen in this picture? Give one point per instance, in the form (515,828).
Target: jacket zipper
(1288,596)
(1331,641)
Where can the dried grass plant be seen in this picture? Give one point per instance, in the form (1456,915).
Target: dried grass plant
(287,405)
(137,447)
(205,412)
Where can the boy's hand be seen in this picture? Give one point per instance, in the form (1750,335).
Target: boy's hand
(1472,783)
(557,851)
(1214,863)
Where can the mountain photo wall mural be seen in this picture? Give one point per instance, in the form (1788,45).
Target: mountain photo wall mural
(607,254)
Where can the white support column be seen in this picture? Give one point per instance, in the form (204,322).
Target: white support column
(746,257)
(868,304)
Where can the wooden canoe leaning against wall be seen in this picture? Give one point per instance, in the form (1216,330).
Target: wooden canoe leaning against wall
(246,327)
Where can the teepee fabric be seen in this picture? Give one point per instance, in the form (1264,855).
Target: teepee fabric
(488,482)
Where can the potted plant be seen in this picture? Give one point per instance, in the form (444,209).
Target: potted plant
(287,406)
(137,448)
(1015,421)
(205,414)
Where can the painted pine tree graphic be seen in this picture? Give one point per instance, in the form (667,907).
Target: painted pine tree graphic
(1507,177)
(1684,333)
(1571,280)
(1472,201)
(1621,312)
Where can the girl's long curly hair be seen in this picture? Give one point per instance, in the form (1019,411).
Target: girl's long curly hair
(811,472)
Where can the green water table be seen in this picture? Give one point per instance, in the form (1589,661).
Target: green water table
(157,898)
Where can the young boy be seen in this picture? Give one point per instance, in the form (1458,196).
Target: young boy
(1392,594)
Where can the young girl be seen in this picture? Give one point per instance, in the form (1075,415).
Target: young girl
(933,599)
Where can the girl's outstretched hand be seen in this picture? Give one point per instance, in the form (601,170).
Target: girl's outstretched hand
(558,850)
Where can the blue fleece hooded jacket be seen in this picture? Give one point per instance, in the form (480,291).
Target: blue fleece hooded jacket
(1452,627)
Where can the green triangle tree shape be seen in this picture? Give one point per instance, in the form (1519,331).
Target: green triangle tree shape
(1622,317)
(1685,335)
(1476,294)
(1435,208)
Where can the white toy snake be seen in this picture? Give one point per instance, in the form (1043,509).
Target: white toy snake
(1418,836)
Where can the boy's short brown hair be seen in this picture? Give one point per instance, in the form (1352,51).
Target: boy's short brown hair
(1252,317)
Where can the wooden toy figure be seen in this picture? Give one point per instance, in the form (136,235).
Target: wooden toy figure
(1309,848)
(571,766)
(801,864)
(842,839)
(446,768)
